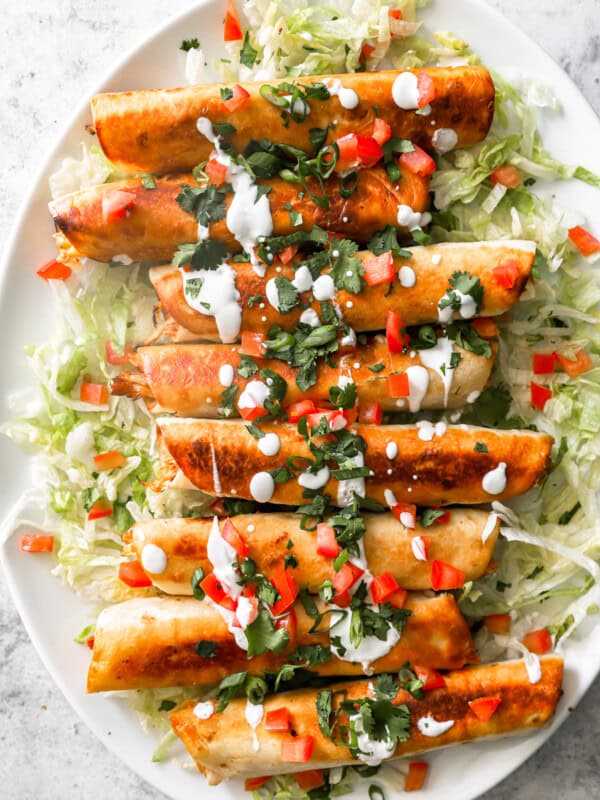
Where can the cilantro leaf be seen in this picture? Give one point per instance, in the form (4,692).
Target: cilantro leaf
(207,254)
(287,294)
(263,637)
(385,240)
(206,649)
(248,54)
(206,203)
(430,515)
(347,270)
(247,366)
(189,44)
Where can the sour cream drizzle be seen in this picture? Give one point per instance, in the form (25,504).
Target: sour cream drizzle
(217,297)
(437,357)
(429,726)
(347,488)
(154,559)
(494,481)
(347,97)
(254,713)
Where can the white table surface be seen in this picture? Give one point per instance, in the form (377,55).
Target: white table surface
(51,53)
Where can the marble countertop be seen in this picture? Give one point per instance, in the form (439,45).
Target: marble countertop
(51,54)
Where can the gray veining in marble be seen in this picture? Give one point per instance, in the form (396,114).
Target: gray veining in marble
(51,53)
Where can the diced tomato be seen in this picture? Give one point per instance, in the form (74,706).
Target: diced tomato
(111,460)
(232,31)
(484,707)
(426,89)
(379,269)
(418,162)
(290,623)
(250,413)
(544,363)
(365,54)
(345,578)
(382,131)
(287,254)
(311,779)
(417,772)
(217,172)
(239,99)
(497,623)
(398,385)
(300,409)
(214,589)
(574,367)
(298,750)
(132,573)
(278,719)
(431,678)
(253,344)
(251,784)
(445,576)
(383,587)
(538,642)
(327,545)
(406,513)
(37,543)
(395,13)
(539,395)
(283,580)
(396,335)
(371,414)
(507,274)
(485,327)
(420,547)
(232,537)
(101,508)
(398,599)
(508,176)
(54,271)
(369,151)
(114,357)
(357,151)
(343,599)
(93,393)
(584,241)
(90,642)
(116,204)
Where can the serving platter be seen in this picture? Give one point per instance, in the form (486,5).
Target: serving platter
(51,613)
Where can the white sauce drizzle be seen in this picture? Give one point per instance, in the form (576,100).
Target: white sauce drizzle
(409,218)
(427,430)
(407,277)
(303,279)
(216,298)
(270,444)
(254,714)
(418,384)
(391,450)
(348,487)
(314,480)
(418,547)
(347,97)
(494,481)
(262,487)
(154,559)
(444,140)
(370,751)
(489,527)
(254,395)
(431,727)
(310,317)
(324,288)
(215,470)
(222,556)
(272,293)
(437,357)
(436,259)
(533,667)
(390,498)
(226,375)
(472,396)
(405,92)
(204,710)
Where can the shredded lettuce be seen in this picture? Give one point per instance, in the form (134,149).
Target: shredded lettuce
(297,37)
(74,174)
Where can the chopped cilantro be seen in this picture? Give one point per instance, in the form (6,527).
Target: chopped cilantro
(377,367)
(248,54)
(207,254)
(189,44)
(148,182)
(430,515)
(206,203)
(206,649)
(263,637)
(480,447)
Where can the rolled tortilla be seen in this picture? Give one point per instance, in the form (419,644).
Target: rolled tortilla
(155,130)
(220,457)
(156,225)
(222,746)
(433,266)
(184,379)
(149,643)
(466,541)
